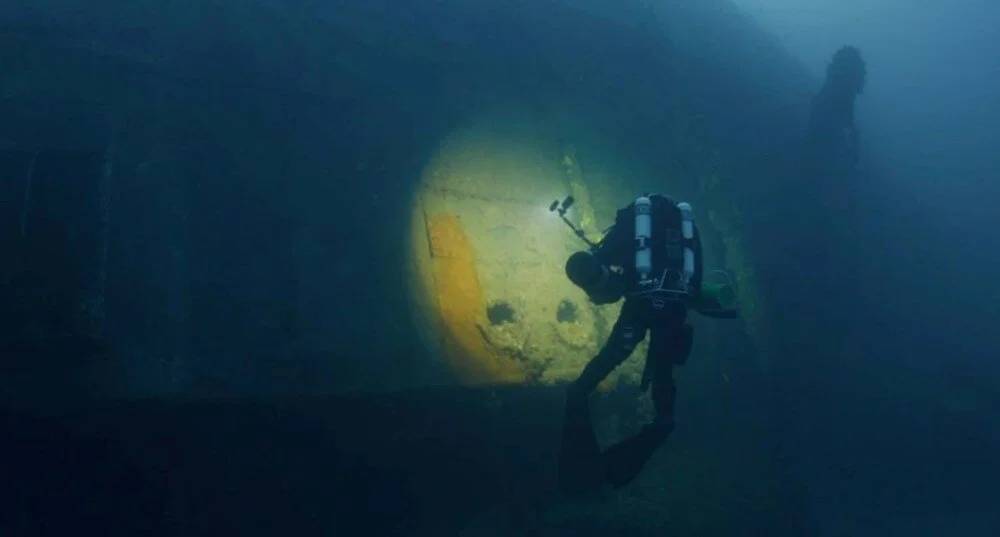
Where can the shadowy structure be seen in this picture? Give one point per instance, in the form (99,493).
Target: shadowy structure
(831,175)
(819,263)
(833,136)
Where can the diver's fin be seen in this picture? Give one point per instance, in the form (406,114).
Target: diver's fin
(580,469)
(624,460)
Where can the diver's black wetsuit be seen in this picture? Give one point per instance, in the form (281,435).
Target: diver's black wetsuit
(582,464)
(669,344)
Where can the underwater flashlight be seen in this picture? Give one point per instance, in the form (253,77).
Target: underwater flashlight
(561,208)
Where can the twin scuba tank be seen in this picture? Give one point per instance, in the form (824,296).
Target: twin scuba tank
(664,258)
(674,279)
(666,265)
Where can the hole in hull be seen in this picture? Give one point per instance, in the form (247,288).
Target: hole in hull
(499,313)
(567,312)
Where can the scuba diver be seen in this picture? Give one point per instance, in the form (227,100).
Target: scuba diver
(651,257)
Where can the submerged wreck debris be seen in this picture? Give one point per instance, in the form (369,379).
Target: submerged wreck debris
(489,288)
(460,305)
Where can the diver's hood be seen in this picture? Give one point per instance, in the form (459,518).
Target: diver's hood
(602,285)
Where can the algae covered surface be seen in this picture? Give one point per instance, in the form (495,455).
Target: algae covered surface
(492,182)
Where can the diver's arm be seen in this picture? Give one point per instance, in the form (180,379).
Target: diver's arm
(608,252)
(713,309)
(616,246)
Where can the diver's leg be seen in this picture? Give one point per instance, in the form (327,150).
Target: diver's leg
(579,456)
(669,344)
(628,331)
(580,463)
(673,348)
(624,460)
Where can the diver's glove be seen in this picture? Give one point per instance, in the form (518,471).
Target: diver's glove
(717,301)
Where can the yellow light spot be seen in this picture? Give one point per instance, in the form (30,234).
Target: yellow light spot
(461,306)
